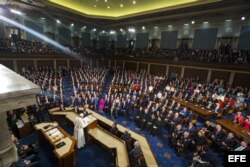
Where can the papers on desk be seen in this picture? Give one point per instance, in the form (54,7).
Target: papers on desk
(19,123)
(25,119)
(53,132)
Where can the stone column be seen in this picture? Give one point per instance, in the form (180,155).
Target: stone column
(137,66)
(231,79)
(123,64)
(8,152)
(35,63)
(148,68)
(15,65)
(182,72)
(67,63)
(55,67)
(167,70)
(209,75)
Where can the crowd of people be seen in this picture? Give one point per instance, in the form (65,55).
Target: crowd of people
(152,102)
(223,55)
(19,46)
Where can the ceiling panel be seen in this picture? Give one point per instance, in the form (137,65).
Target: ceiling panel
(116,9)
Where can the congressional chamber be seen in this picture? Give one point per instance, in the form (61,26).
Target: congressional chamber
(128,83)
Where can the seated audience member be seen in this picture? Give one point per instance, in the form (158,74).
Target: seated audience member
(137,149)
(199,141)
(191,129)
(114,129)
(184,112)
(239,119)
(175,135)
(62,108)
(208,128)
(30,161)
(243,147)
(247,124)
(175,121)
(218,136)
(126,136)
(183,144)
(157,127)
(201,158)
(228,143)
(151,123)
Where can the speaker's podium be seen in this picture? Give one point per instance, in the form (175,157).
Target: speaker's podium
(62,144)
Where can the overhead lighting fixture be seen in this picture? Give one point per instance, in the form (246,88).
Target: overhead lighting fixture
(192,22)
(121,29)
(134,2)
(103,31)
(243,18)
(186,24)
(94,29)
(132,30)
(143,27)
(121,5)
(95,6)
(112,32)
(105,1)
(15,11)
(205,22)
(155,27)
(72,24)
(58,21)
(228,20)
(42,18)
(84,27)
(170,26)
(108,7)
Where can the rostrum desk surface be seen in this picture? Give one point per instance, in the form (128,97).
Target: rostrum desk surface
(111,142)
(146,150)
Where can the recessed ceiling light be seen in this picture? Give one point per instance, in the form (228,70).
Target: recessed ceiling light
(121,5)
(155,27)
(143,27)
(205,22)
(97,0)
(228,20)
(106,1)
(131,30)
(72,24)
(94,29)
(243,18)
(192,22)
(15,11)
(112,32)
(84,27)
(121,29)
(58,21)
(169,25)
(134,2)
(42,18)
(103,31)
(95,6)
(108,7)
(186,24)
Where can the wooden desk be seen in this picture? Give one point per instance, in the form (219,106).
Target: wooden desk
(146,150)
(54,134)
(70,115)
(197,109)
(24,127)
(110,141)
(235,128)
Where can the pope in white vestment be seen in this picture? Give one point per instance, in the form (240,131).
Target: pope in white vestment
(79,131)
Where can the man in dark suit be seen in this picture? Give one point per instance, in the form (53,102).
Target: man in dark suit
(175,121)
(126,136)
(144,119)
(228,143)
(218,136)
(183,144)
(176,135)
(137,149)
